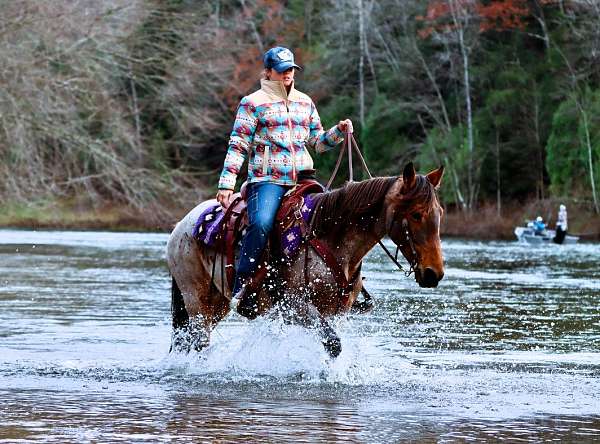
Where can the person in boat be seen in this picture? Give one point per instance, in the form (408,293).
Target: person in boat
(273,127)
(539,226)
(561,225)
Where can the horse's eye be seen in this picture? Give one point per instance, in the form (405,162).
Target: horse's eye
(416,216)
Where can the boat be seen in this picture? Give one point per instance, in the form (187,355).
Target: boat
(527,235)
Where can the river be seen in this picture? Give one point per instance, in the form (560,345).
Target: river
(506,348)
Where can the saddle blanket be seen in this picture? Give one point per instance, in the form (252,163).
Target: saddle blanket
(209,223)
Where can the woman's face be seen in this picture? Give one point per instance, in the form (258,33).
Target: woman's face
(287,77)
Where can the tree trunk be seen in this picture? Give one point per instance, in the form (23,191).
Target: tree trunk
(540,149)
(366,46)
(136,116)
(308,10)
(361,64)
(218,13)
(467,87)
(470,143)
(588,143)
(498,184)
(255,32)
(443,160)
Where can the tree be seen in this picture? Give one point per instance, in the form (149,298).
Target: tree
(574,145)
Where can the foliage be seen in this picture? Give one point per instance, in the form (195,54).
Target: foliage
(568,156)
(132,101)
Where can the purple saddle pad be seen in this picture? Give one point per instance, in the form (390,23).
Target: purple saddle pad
(208,225)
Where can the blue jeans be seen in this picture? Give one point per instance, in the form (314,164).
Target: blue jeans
(263,201)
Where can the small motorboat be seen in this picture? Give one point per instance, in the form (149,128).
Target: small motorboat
(528,235)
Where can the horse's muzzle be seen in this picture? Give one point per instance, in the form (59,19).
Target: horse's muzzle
(429,278)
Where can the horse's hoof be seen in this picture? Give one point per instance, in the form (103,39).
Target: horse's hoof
(179,345)
(362,307)
(200,345)
(248,306)
(333,346)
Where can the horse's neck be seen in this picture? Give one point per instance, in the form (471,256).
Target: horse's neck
(354,238)
(354,218)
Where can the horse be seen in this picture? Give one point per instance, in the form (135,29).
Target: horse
(350,221)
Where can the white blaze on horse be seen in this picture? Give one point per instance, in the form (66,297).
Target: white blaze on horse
(347,223)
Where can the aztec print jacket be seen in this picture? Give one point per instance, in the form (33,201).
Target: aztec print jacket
(275,128)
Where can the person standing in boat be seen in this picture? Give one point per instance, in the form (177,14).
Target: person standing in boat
(274,126)
(561,225)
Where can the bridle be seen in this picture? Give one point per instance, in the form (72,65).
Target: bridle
(413,261)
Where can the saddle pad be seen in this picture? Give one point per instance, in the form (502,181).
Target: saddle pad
(208,225)
(292,237)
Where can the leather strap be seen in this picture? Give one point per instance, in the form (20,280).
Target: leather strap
(346,286)
(231,222)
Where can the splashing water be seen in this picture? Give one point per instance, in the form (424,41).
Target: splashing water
(506,347)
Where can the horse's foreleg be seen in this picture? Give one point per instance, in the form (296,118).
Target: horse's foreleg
(330,339)
(303,312)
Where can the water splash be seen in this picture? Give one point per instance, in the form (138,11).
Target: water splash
(271,349)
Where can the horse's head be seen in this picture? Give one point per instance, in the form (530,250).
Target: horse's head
(413,218)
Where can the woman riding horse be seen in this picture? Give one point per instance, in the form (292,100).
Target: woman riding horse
(274,125)
(324,279)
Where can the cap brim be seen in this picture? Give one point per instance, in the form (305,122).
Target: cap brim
(284,66)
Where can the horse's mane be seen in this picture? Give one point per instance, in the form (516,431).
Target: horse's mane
(352,200)
(362,199)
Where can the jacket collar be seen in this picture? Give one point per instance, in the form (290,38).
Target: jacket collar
(275,88)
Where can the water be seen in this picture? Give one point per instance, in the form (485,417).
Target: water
(507,348)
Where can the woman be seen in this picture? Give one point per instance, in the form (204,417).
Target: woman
(274,125)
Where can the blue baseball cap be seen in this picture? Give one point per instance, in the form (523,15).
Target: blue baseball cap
(280,59)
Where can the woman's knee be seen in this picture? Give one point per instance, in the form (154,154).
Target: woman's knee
(263,223)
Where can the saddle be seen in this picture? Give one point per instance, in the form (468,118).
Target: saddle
(288,231)
(224,230)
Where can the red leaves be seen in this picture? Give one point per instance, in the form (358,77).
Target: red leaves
(497,15)
(503,15)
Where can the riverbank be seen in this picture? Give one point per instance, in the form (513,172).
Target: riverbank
(485,223)
(69,216)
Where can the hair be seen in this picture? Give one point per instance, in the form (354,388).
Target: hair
(366,199)
(354,199)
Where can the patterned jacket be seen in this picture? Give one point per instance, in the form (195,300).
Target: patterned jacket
(276,129)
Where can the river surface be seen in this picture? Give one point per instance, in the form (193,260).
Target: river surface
(507,348)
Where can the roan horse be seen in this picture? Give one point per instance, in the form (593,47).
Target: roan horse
(350,221)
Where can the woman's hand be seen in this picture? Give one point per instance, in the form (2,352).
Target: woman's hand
(345,126)
(224,197)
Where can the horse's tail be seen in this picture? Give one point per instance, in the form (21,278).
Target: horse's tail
(178,311)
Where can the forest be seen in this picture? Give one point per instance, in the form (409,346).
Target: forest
(117,113)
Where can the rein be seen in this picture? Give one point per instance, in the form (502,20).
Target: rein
(349,144)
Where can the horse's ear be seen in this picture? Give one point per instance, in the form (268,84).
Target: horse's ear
(435,177)
(409,176)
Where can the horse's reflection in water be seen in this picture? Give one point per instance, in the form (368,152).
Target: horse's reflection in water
(349,221)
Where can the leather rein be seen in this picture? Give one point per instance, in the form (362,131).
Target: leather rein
(349,144)
(346,285)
